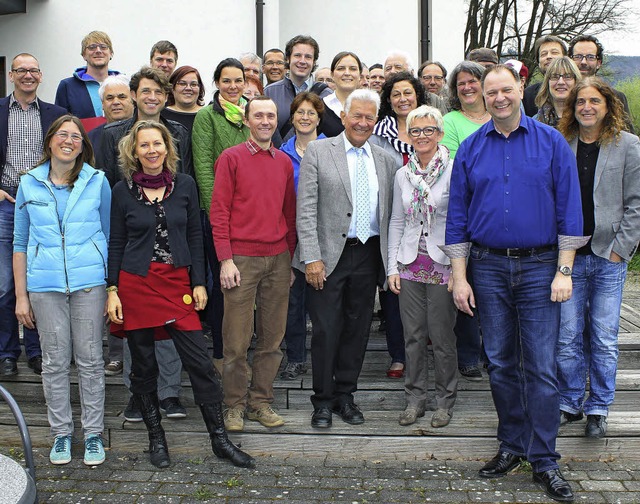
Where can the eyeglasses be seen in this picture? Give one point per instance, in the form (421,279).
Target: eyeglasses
(428,131)
(64,135)
(184,84)
(278,63)
(437,78)
(23,71)
(567,77)
(580,57)
(309,113)
(93,47)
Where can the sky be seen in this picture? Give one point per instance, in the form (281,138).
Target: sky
(622,43)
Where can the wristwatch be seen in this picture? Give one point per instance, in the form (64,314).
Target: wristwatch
(565,270)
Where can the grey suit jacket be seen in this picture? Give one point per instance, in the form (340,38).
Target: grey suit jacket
(616,197)
(324,204)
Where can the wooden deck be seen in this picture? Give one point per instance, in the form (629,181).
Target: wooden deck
(470,435)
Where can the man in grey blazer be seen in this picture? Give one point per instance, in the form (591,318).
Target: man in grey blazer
(608,161)
(343,207)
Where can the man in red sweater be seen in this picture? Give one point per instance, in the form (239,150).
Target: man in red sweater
(254,230)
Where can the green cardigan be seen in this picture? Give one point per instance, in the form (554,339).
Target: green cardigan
(212,133)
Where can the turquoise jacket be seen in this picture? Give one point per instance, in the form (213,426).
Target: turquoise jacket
(63,256)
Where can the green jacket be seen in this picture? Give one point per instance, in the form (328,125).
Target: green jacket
(212,133)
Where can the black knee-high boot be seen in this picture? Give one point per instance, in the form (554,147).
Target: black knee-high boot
(220,443)
(158,449)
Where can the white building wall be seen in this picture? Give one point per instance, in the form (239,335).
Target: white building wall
(206,31)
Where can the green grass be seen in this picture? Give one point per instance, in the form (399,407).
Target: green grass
(634,264)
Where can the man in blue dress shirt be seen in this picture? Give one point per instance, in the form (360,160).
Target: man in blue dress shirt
(515,211)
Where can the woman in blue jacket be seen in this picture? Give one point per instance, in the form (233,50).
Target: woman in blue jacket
(60,266)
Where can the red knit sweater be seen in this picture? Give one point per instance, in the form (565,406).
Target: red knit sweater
(253,204)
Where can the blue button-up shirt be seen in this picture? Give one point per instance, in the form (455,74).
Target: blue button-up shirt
(519,191)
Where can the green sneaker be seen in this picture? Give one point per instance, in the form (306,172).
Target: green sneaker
(61,450)
(93,450)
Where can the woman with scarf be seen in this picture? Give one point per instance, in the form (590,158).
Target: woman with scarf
(559,79)
(418,271)
(156,278)
(217,127)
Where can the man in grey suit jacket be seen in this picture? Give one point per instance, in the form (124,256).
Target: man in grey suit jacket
(343,207)
(608,162)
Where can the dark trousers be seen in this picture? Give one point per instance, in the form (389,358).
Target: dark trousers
(214,311)
(395,332)
(341,316)
(193,353)
(296,334)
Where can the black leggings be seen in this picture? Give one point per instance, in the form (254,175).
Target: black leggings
(193,353)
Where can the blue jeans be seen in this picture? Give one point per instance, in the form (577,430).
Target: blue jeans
(520,331)
(597,290)
(9,338)
(296,334)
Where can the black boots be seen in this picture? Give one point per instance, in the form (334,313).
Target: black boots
(220,443)
(158,449)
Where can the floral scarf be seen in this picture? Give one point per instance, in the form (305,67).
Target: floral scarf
(233,113)
(422,203)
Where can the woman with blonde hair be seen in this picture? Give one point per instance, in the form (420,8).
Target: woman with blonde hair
(156,255)
(559,79)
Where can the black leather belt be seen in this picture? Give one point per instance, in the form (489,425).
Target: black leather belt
(10,190)
(352,242)
(518,252)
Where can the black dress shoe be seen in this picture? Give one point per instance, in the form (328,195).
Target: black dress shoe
(350,413)
(500,465)
(596,426)
(8,366)
(554,485)
(321,418)
(566,417)
(35,363)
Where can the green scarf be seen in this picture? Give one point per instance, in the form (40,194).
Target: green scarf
(233,113)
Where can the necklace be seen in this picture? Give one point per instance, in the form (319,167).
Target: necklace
(300,148)
(474,118)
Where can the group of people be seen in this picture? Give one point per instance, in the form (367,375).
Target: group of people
(498,237)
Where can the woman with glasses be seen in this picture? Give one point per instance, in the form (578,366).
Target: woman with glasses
(186,97)
(418,271)
(60,265)
(307,111)
(559,79)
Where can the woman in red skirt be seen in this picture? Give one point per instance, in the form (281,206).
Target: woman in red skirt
(156,281)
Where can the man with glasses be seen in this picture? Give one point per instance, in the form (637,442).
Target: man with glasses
(273,65)
(588,54)
(433,75)
(79,93)
(301,56)
(24,121)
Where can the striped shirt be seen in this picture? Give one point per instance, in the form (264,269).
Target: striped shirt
(24,141)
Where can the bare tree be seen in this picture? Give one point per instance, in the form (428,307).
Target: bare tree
(511,27)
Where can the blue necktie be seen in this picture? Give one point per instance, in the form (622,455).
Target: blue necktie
(362,197)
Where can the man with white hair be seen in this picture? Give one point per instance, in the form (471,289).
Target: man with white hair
(397,61)
(252,64)
(343,209)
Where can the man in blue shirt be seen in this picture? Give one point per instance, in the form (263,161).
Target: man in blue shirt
(515,210)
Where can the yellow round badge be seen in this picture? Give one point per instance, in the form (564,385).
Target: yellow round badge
(187,299)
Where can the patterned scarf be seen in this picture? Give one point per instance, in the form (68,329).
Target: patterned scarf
(234,113)
(422,203)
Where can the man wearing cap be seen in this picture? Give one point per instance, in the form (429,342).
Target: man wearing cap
(483,56)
